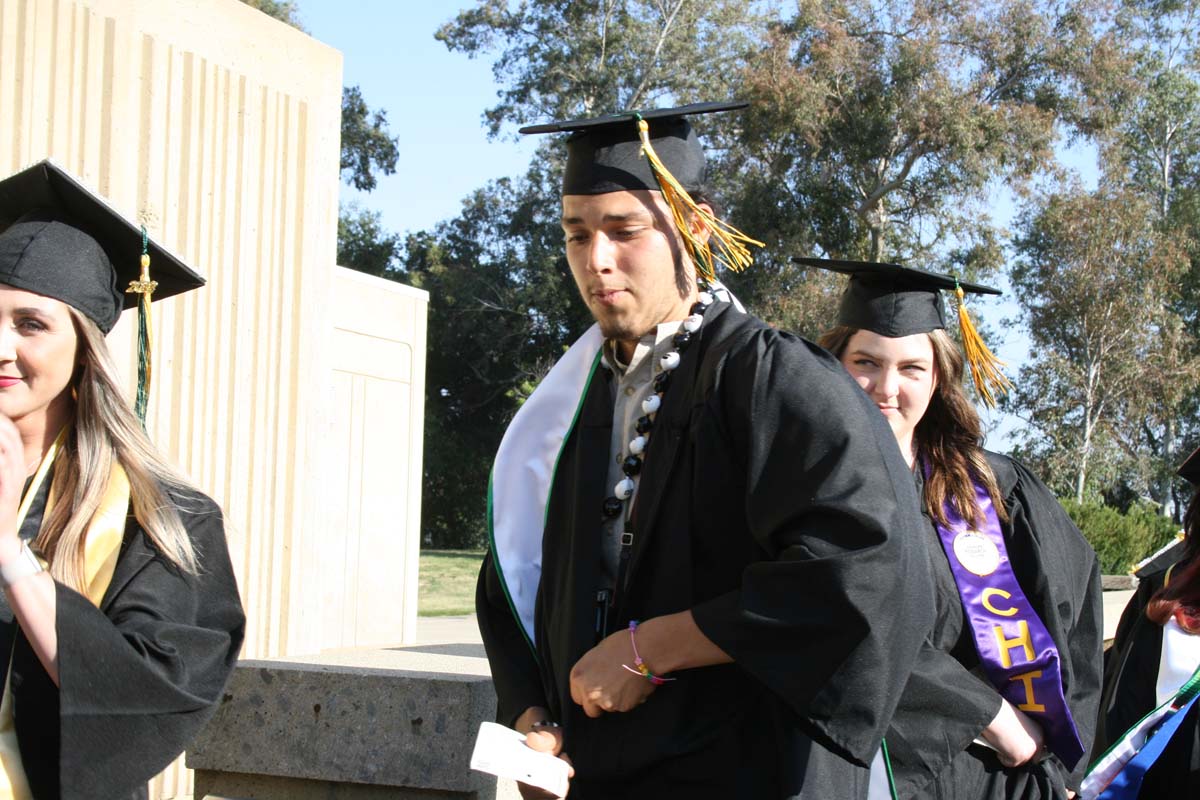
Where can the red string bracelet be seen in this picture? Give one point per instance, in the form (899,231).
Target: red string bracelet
(639,667)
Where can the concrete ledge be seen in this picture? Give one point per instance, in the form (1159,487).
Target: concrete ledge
(1114,583)
(348,724)
(236,786)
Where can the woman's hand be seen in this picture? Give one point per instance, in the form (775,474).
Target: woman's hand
(32,598)
(1016,737)
(13,472)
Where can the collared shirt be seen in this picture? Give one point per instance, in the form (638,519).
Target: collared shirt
(632,383)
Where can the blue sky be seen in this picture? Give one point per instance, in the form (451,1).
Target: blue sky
(435,101)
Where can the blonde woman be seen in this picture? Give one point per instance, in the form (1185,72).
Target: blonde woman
(120,619)
(1003,700)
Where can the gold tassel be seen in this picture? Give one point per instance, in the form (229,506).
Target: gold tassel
(985,367)
(732,243)
(144,287)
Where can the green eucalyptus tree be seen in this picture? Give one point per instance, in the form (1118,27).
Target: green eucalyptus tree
(879,127)
(1092,275)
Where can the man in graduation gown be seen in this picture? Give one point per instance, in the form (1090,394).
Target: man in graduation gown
(749,512)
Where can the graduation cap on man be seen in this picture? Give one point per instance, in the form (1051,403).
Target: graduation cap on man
(61,240)
(895,301)
(656,150)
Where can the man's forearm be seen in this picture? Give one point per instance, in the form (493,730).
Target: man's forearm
(673,642)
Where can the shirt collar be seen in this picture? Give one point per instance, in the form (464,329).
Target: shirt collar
(652,342)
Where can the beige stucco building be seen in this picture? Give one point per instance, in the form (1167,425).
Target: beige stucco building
(289,389)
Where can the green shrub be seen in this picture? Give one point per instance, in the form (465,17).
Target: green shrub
(1121,540)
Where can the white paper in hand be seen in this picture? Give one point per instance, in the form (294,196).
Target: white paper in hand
(502,752)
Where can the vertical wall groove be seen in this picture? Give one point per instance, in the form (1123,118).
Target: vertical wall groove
(18,105)
(107,101)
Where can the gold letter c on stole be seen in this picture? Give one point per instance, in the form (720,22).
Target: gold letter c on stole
(989,593)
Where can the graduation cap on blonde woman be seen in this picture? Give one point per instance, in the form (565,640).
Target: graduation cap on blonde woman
(658,150)
(61,240)
(896,301)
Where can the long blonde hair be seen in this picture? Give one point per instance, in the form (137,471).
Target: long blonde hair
(105,428)
(949,437)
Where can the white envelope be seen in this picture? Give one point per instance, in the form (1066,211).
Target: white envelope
(502,752)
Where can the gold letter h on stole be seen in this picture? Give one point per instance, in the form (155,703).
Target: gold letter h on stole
(1006,645)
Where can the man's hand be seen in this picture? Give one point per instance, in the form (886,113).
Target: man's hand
(600,683)
(544,739)
(1016,737)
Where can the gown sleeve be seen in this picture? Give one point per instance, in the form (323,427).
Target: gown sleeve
(1067,593)
(140,675)
(944,707)
(514,668)
(832,619)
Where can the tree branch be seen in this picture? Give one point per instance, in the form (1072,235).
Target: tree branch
(662,38)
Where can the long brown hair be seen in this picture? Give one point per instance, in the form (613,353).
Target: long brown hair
(949,437)
(1182,592)
(105,428)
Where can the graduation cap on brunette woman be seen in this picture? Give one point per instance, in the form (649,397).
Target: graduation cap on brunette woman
(896,301)
(658,150)
(61,240)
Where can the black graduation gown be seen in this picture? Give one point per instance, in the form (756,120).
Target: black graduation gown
(948,700)
(140,675)
(775,505)
(1130,675)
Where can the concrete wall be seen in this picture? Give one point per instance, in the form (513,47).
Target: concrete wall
(219,127)
(374,492)
(359,724)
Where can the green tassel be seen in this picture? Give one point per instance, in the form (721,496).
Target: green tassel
(144,288)
(143,387)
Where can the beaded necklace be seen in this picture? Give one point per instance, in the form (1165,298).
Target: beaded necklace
(620,501)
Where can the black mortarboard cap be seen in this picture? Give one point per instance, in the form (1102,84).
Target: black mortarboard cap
(892,300)
(61,240)
(1189,470)
(896,301)
(656,150)
(604,154)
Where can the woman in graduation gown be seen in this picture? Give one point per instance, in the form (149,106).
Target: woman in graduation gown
(1156,650)
(119,618)
(1002,702)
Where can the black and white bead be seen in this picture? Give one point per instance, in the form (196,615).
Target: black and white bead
(635,455)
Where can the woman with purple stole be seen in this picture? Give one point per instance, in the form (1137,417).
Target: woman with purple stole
(1149,731)
(1003,700)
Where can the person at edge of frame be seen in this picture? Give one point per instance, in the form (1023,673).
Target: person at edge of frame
(1155,651)
(1013,717)
(706,577)
(120,620)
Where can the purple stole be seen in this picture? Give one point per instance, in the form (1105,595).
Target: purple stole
(1018,655)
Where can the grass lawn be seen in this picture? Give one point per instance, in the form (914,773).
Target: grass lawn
(447,582)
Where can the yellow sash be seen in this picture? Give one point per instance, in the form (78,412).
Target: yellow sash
(101,546)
